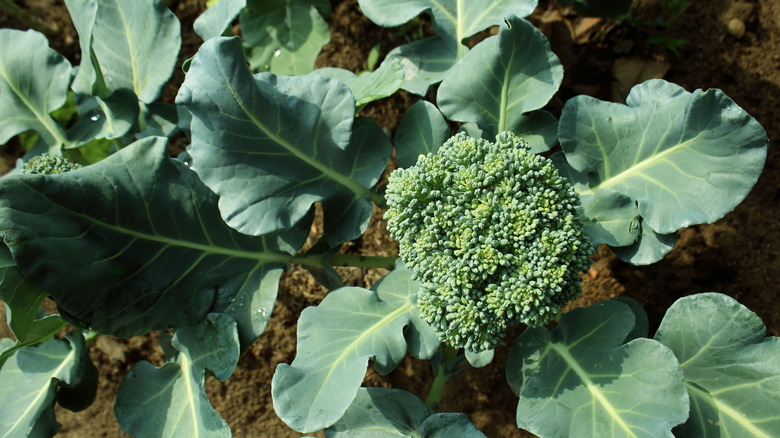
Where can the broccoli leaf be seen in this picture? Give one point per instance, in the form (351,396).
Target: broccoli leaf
(370,85)
(581,379)
(684,158)
(135,243)
(731,369)
(270,146)
(29,381)
(107,118)
(501,79)
(394,413)
(34,81)
(335,342)
(171,400)
(217,18)
(131,45)
(284,37)
(429,60)
(422,131)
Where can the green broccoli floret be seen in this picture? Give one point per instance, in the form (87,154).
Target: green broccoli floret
(492,233)
(48,164)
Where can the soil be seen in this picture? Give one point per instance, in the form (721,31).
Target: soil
(732,45)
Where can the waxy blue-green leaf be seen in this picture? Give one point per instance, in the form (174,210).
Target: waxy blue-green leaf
(684,158)
(649,248)
(394,413)
(107,118)
(580,379)
(501,79)
(217,18)
(171,400)
(29,324)
(135,243)
(371,85)
(335,342)
(131,44)
(270,146)
(732,370)
(284,37)
(29,381)
(34,81)
(422,131)
(429,60)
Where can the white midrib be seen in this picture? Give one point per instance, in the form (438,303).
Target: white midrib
(563,351)
(637,168)
(359,340)
(345,181)
(41,393)
(187,374)
(735,415)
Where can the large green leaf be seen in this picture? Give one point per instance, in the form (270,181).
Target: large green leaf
(371,85)
(131,45)
(422,131)
(217,18)
(393,413)
(29,382)
(428,61)
(581,379)
(135,243)
(684,158)
(335,342)
(501,79)
(34,81)
(270,146)
(171,400)
(284,37)
(732,370)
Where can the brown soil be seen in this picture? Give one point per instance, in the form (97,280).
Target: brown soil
(738,255)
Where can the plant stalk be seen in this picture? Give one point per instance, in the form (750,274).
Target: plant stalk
(28,19)
(443,376)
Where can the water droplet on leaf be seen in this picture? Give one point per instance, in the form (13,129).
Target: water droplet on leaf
(277,53)
(94,117)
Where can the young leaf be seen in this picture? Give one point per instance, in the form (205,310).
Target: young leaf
(335,342)
(649,248)
(107,118)
(171,400)
(217,18)
(29,381)
(34,81)
(393,413)
(135,243)
(422,131)
(29,324)
(131,45)
(369,86)
(501,79)
(428,61)
(731,369)
(270,146)
(685,158)
(580,379)
(284,37)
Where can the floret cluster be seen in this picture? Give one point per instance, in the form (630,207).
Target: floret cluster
(492,233)
(48,164)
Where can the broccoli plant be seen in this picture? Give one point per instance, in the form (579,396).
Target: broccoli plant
(494,221)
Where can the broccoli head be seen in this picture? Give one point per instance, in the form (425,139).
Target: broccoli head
(492,233)
(48,164)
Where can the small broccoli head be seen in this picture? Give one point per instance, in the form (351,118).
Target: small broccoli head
(492,233)
(48,164)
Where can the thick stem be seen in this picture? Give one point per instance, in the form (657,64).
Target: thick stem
(28,19)
(356,261)
(443,376)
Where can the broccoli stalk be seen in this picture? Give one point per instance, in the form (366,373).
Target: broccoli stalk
(492,233)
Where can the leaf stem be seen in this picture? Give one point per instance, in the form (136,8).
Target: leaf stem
(444,373)
(353,260)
